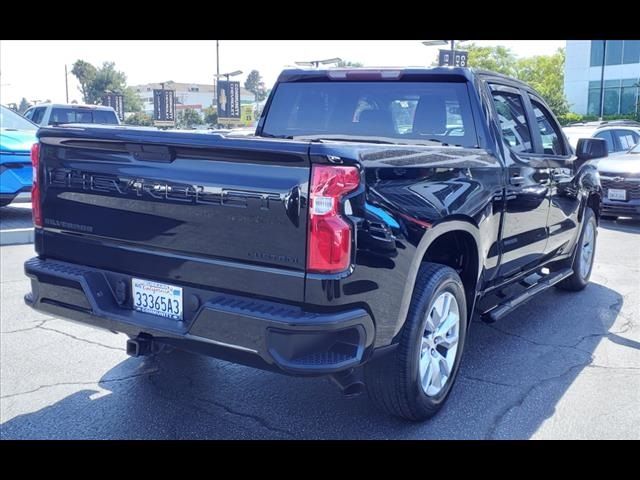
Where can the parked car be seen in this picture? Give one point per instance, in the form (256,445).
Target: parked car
(61,114)
(620,135)
(17,135)
(326,244)
(620,177)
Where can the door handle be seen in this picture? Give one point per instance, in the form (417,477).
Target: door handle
(516,180)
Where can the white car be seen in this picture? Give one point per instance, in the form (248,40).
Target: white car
(61,113)
(620,135)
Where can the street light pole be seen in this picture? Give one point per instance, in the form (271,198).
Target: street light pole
(604,56)
(451,57)
(66,82)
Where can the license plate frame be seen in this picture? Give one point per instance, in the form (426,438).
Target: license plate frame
(156,298)
(617,194)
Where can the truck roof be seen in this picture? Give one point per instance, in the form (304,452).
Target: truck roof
(393,73)
(73,105)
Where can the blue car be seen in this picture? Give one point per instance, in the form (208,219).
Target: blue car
(17,135)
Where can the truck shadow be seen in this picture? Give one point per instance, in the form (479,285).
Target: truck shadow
(535,352)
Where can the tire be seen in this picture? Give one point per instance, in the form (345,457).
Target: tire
(394,381)
(4,203)
(581,265)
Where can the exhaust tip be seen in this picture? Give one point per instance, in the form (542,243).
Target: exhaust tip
(348,382)
(353,390)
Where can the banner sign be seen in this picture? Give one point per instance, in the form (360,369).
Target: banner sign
(164,106)
(460,58)
(115,101)
(228,100)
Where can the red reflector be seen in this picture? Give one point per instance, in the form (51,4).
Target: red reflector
(35,189)
(329,233)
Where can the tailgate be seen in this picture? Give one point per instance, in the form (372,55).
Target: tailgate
(195,208)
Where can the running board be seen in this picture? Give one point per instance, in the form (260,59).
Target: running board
(507,307)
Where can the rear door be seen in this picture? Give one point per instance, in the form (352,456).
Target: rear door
(186,207)
(524,230)
(562,223)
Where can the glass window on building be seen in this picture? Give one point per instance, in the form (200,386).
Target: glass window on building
(614,52)
(620,97)
(618,52)
(597,48)
(629,96)
(593,103)
(631,51)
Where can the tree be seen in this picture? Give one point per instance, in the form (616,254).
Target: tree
(132,102)
(139,118)
(24,105)
(346,63)
(86,74)
(96,82)
(497,59)
(188,118)
(255,85)
(211,115)
(545,73)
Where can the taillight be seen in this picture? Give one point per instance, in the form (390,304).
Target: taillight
(35,189)
(329,234)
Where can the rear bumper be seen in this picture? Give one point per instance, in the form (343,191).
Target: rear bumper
(259,333)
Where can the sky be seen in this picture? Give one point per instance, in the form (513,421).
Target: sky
(34,69)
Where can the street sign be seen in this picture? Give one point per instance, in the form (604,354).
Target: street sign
(228,100)
(115,101)
(460,58)
(164,107)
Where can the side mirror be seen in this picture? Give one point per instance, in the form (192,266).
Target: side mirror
(590,148)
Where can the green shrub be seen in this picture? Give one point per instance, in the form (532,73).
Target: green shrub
(575,117)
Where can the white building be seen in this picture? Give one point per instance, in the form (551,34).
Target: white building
(196,96)
(583,70)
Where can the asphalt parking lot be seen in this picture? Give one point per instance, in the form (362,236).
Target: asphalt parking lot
(563,366)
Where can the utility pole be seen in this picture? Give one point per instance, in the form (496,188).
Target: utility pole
(66,82)
(604,57)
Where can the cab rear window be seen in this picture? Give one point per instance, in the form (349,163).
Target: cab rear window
(70,115)
(397,110)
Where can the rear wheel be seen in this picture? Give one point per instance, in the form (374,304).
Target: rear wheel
(414,380)
(582,264)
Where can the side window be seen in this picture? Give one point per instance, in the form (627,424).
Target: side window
(513,121)
(28,114)
(38,114)
(626,138)
(608,136)
(552,142)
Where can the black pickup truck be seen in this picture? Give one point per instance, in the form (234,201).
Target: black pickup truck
(370,218)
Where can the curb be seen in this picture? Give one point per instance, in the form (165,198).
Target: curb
(16,236)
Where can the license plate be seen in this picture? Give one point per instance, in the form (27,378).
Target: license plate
(617,194)
(157,298)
